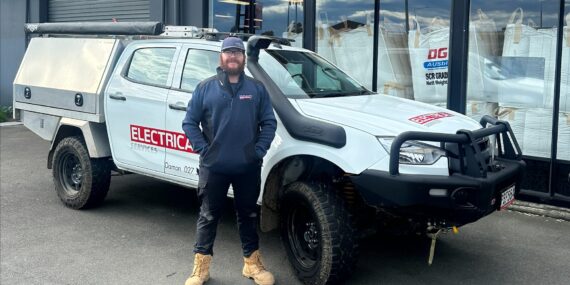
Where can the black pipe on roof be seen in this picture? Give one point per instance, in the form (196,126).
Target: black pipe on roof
(97,28)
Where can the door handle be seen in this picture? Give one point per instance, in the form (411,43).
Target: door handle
(177,107)
(118,96)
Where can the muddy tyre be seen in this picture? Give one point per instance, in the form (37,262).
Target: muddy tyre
(80,181)
(318,233)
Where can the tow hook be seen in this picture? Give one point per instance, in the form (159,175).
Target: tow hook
(433,232)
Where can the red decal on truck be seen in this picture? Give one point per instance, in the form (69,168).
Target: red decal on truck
(161,138)
(426,118)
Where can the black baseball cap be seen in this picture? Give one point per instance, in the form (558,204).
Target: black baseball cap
(232,43)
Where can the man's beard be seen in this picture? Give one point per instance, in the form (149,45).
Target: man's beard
(233,71)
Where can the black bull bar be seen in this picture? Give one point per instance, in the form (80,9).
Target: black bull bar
(464,147)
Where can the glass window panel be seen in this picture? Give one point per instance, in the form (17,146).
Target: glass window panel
(199,65)
(268,17)
(427,44)
(344,36)
(151,65)
(512,56)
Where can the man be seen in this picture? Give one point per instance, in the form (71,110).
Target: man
(238,125)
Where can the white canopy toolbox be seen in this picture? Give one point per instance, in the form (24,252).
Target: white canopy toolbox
(66,77)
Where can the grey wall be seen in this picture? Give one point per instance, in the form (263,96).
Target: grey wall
(12,45)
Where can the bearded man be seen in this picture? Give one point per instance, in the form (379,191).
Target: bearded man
(237,127)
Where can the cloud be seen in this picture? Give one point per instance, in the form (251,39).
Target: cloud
(276,9)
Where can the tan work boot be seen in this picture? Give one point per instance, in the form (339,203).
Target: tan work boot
(253,268)
(201,271)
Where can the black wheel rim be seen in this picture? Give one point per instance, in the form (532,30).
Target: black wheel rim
(304,236)
(71,174)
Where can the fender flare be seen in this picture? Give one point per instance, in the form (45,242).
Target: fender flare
(94,135)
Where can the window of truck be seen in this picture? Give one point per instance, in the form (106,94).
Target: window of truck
(199,65)
(151,66)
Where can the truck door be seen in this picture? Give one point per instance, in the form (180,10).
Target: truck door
(135,106)
(194,65)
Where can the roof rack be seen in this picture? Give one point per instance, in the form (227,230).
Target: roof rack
(186,31)
(212,34)
(217,36)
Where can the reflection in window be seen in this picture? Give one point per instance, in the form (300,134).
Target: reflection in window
(512,74)
(564,111)
(280,18)
(200,64)
(151,65)
(344,34)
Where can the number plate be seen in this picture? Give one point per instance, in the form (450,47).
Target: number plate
(507,197)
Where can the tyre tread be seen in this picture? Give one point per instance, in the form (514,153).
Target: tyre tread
(340,229)
(98,176)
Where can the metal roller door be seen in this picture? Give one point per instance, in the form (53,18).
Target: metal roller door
(98,10)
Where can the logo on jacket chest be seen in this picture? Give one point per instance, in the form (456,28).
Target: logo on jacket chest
(245,97)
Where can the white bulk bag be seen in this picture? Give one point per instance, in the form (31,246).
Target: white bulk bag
(487,34)
(516,43)
(538,133)
(433,90)
(516,118)
(324,43)
(564,69)
(291,35)
(394,73)
(528,43)
(429,49)
(353,49)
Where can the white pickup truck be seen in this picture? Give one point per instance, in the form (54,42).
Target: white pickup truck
(112,96)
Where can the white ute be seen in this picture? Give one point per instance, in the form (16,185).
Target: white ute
(112,96)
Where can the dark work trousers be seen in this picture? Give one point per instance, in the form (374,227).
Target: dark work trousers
(212,192)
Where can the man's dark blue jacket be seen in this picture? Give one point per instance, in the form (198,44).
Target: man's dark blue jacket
(238,124)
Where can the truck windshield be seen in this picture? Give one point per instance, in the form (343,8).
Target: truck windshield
(304,74)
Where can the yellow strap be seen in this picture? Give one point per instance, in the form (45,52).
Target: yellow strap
(509,112)
(392,85)
(334,37)
(474,107)
(514,15)
(518,32)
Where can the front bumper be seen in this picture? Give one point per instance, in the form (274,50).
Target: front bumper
(471,191)
(467,198)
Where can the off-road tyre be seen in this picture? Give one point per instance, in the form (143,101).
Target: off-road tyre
(334,249)
(80,181)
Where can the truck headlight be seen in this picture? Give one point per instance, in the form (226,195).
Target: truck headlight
(413,152)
